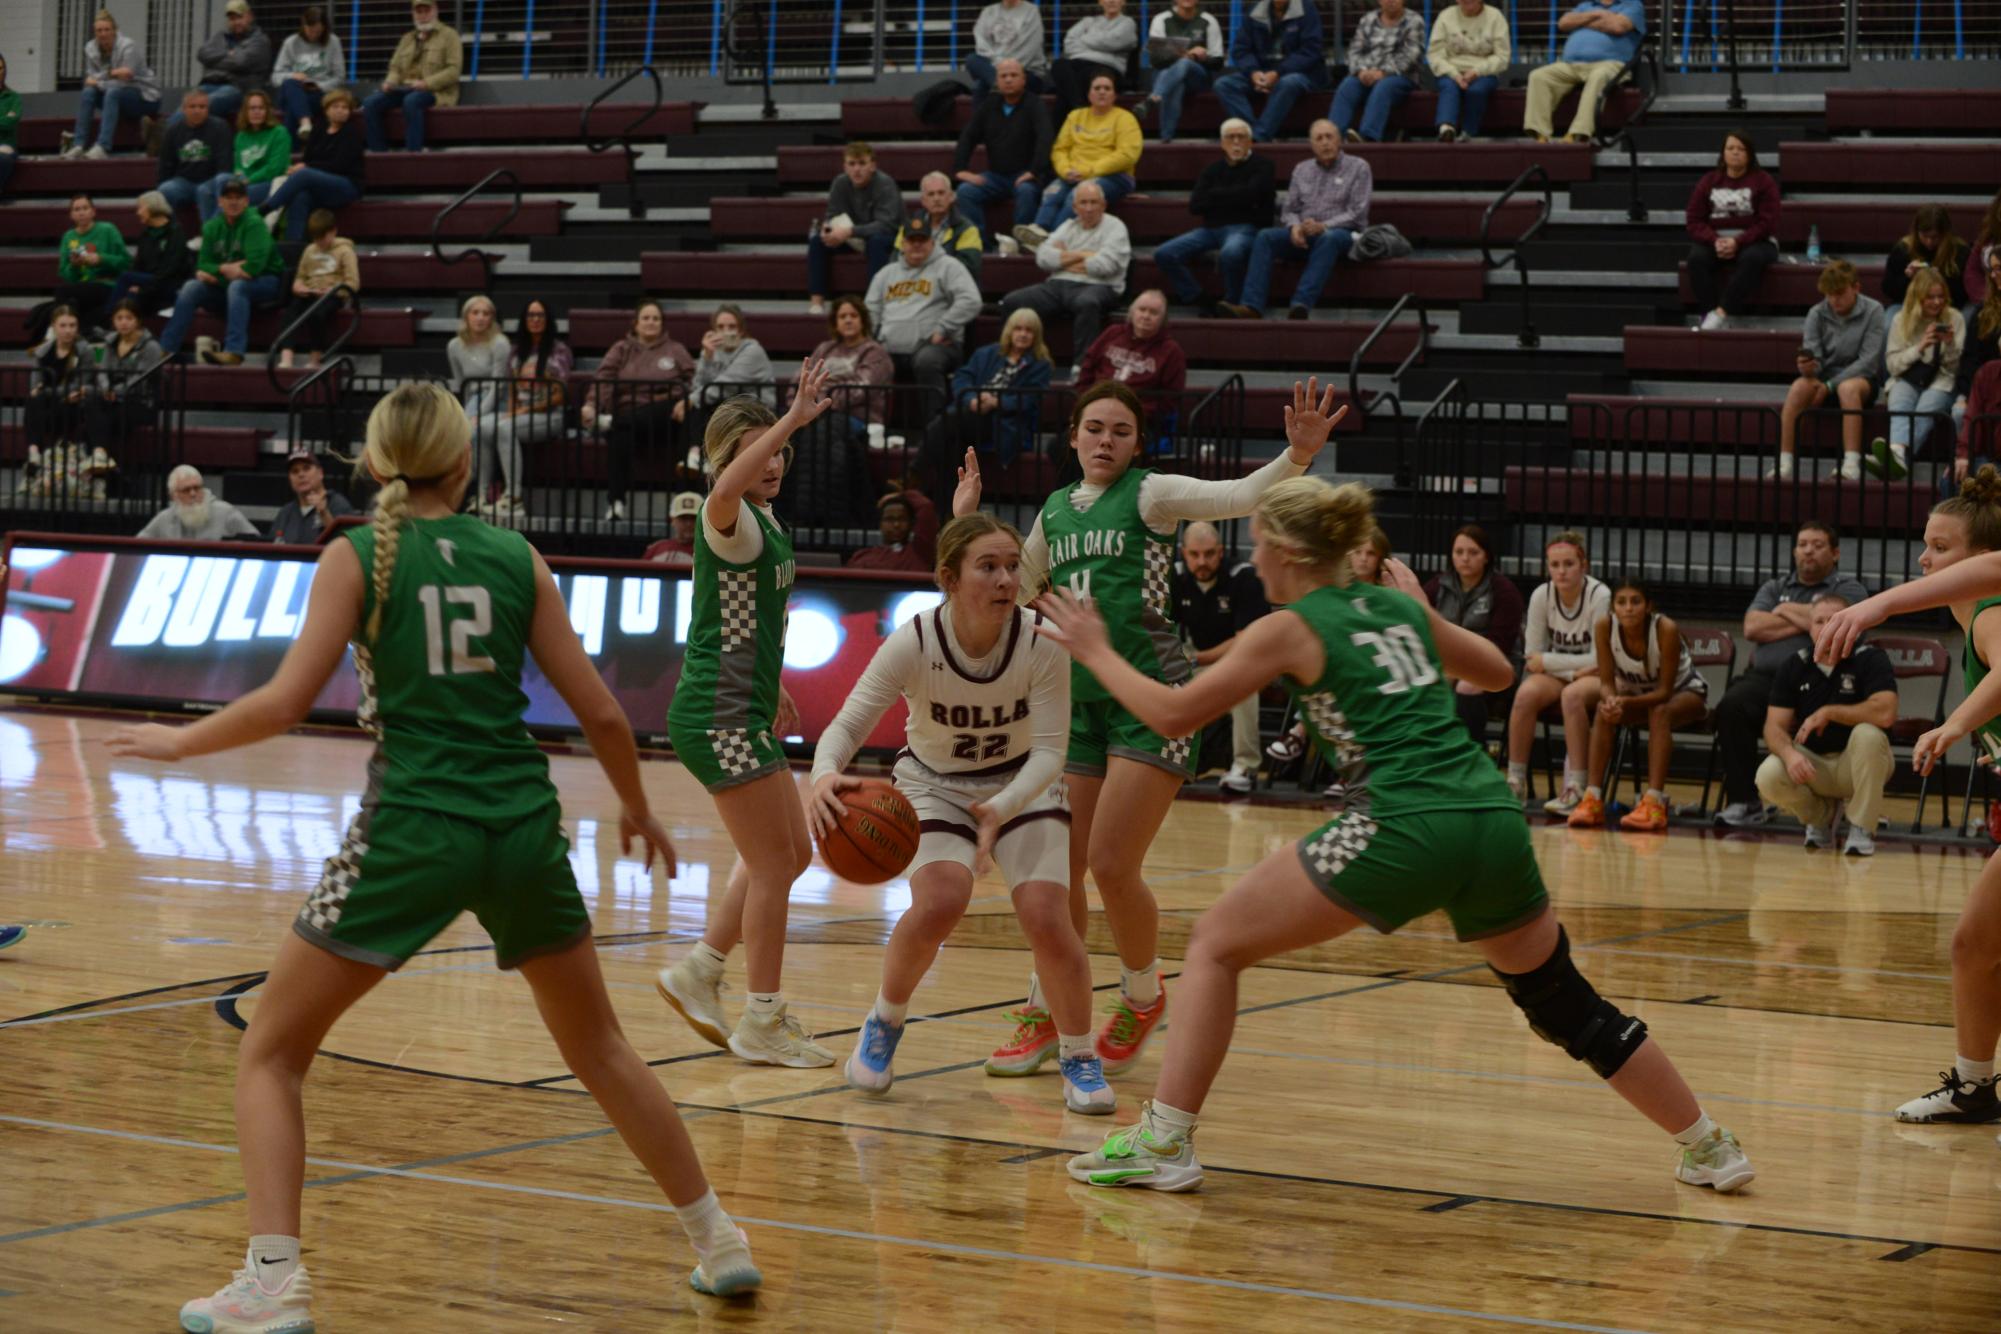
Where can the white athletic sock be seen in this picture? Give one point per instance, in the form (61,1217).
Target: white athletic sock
(1785,465)
(765,1004)
(705,1223)
(274,1259)
(1575,778)
(889,1012)
(1977,1071)
(707,959)
(1518,772)
(1077,1044)
(1142,988)
(1169,1122)
(1700,1131)
(1593,790)
(1035,1001)
(1657,795)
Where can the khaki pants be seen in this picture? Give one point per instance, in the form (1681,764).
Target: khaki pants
(1857,774)
(1245,751)
(1549,83)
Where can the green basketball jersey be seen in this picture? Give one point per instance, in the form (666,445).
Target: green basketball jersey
(441,684)
(1987,736)
(1107,554)
(736,634)
(1382,712)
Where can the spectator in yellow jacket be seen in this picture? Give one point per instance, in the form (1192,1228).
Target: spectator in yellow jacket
(423,73)
(1099,142)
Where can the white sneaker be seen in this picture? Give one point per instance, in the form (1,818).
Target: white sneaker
(1851,467)
(95,153)
(1520,787)
(1335,792)
(726,1270)
(1007,245)
(72,151)
(1713,321)
(614,511)
(1860,843)
(696,997)
(247,1307)
(1030,236)
(273,219)
(1716,1161)
(1237,780)
(1822,835)
(1133,1157)
(1084,1088)
(1564,802)
(778,1040)
(1742,815)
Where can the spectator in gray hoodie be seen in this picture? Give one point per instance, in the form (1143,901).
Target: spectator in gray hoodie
(234,60)
(1086,260)
(1101,43)
(117,82)
(732,361)
(1841,356)
(863,208)
(310,65)
(1009,30)
(920,307)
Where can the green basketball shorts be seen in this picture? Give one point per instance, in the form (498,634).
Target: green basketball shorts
(726,756)
(1478,866)
(1102,728)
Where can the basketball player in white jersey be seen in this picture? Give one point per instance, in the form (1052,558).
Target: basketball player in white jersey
(1561,666)
(989,725)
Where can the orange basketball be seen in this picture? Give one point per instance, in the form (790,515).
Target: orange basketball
(876,836)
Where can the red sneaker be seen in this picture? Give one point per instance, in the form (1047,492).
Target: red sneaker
(1127,1030)
(1034,1042)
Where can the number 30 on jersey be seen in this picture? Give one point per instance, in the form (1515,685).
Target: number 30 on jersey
(1402,656)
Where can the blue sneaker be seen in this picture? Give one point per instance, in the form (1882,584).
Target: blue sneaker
(1084,1086)
(11,935)
(868,1068)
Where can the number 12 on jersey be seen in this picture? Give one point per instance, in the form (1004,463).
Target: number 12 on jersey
(1402,656)
(464,628)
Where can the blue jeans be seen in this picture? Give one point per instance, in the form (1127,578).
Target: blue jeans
(1465,115)
(820,260)
(224,100)
(981,71)
(7,161)
(1056,209)
(1233,245)
(208,195)
(1321,254)
(1383,100)
(234,300)
(134,284)
(1172,85)
(1913,414)
(113,102)
(180,192)
(973,200)
(414,101)
(296,102)
(307,189)
(1233,90)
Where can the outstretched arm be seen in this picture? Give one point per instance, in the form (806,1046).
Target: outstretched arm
(1464,655)
(1974,578)
(752,454)
(1309,419)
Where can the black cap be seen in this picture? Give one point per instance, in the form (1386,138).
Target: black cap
(235,186)
(918,228)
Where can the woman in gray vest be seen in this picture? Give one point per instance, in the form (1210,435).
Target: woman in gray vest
(1475,596)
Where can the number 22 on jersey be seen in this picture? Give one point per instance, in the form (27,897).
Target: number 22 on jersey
(464,629)
(1402,656)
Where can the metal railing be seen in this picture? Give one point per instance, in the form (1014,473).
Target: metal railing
(344,299)
(621,139)
(1391,397)
(97,462)
(1644,72)
(1527,336)
(474,250)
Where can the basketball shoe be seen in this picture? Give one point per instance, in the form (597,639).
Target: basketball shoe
(1955,1100)
(777,1040)
(1084,1086)
(11,935)
(1715,1160)
(868,1066)
(1034,1042)
(726,1270)
(1137,1155)
(248,1307)
(1649,815)
(1126,1031)
(697,996)
(1588,813)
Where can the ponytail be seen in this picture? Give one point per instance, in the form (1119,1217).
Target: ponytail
(1978,506)
(416,435)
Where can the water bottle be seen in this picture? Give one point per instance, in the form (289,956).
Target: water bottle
(1813,244)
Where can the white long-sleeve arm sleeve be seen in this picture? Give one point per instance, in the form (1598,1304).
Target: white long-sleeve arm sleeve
(1034,562)
(1166,499)
(1049,706)
(880,686)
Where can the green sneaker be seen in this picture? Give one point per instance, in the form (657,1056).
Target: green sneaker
(1883,461)
(1133,1157)
(1716,1161)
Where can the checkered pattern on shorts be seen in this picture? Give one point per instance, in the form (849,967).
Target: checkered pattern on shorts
(1339,844)
(1158,588)
(1324,712)
(325,904)
(733,750)
(1178,750)
(737,592)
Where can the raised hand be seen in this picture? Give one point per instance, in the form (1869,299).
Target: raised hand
(1844,630)
(1402,578)
(1307,423)
(809,397)
(652,837)
(966,499)
(1072,623)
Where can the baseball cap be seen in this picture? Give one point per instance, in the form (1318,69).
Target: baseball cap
(918,228)
(686,503)
(235,7)
(234,186)
(301,454)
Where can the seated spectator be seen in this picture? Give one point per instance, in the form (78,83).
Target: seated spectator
(326,263)
(332,175)
(423,73)
(920,307)
(1098,145)
(91,257)
(1186,48)
(312,507)
(1018,134)
(1475,596)
(1277,52)
(197,145)
(122,407)
(1469,52)
(310,65)
(678,551)
(1973,276)
(1929,244)
(1367,559)
(539,366)
(1779,622)
(196,515)
(1645,679)
(10,128)
(996,402)
(1213,605)
(479,356)
(1086,260)
(1733,218)
(1925,342)
(238,271)
(1383,63)
(1138,352)
(1234,198)
(234,60)
(1561,652)
(859,371)
(639,398)
(161,260)
(1980,442)
(1983,346)
(1829,737)
(117,83)
(1326,204)
(896,516)
(1603,36)
(1097,46)
(1008,30)
(64,373)
(260,155)
(732,362)
(1841,356)
(952,232)
(863,209)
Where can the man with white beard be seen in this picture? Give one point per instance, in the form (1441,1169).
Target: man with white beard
(195,515)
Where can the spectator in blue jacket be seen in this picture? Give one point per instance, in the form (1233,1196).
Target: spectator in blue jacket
(1277,52)
(996,403)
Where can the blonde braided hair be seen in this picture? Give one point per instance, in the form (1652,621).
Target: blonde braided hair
(416,434)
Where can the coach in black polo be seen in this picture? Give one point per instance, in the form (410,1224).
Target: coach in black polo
(1211,606)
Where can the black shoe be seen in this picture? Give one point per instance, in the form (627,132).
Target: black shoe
(1299,313)
(1955,1100)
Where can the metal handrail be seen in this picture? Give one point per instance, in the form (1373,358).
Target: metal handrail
(349,297)
(473,250)
(623,138)
(753,11)
(1390,395)
(1648,60)
(1528,337)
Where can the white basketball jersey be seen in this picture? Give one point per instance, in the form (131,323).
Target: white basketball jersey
(967,719)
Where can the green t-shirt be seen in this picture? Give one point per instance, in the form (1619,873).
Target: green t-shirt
(263,155)
(113,258)
(736,633)
(10,117)
(1107,553)
(441,683)
(248,243)
(1382,711)
(1987,736)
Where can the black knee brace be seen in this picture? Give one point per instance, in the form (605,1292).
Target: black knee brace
(1564,1009)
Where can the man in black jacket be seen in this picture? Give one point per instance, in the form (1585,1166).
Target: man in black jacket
(1235,197)
(1015,127)
(196,145)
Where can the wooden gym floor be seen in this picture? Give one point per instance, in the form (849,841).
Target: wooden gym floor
(1388,1147)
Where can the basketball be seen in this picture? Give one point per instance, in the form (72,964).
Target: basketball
(876,836)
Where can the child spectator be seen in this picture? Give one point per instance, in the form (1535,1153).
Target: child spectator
(325,264)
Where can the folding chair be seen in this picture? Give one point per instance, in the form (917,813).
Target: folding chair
(1912,657)
(1706,649)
